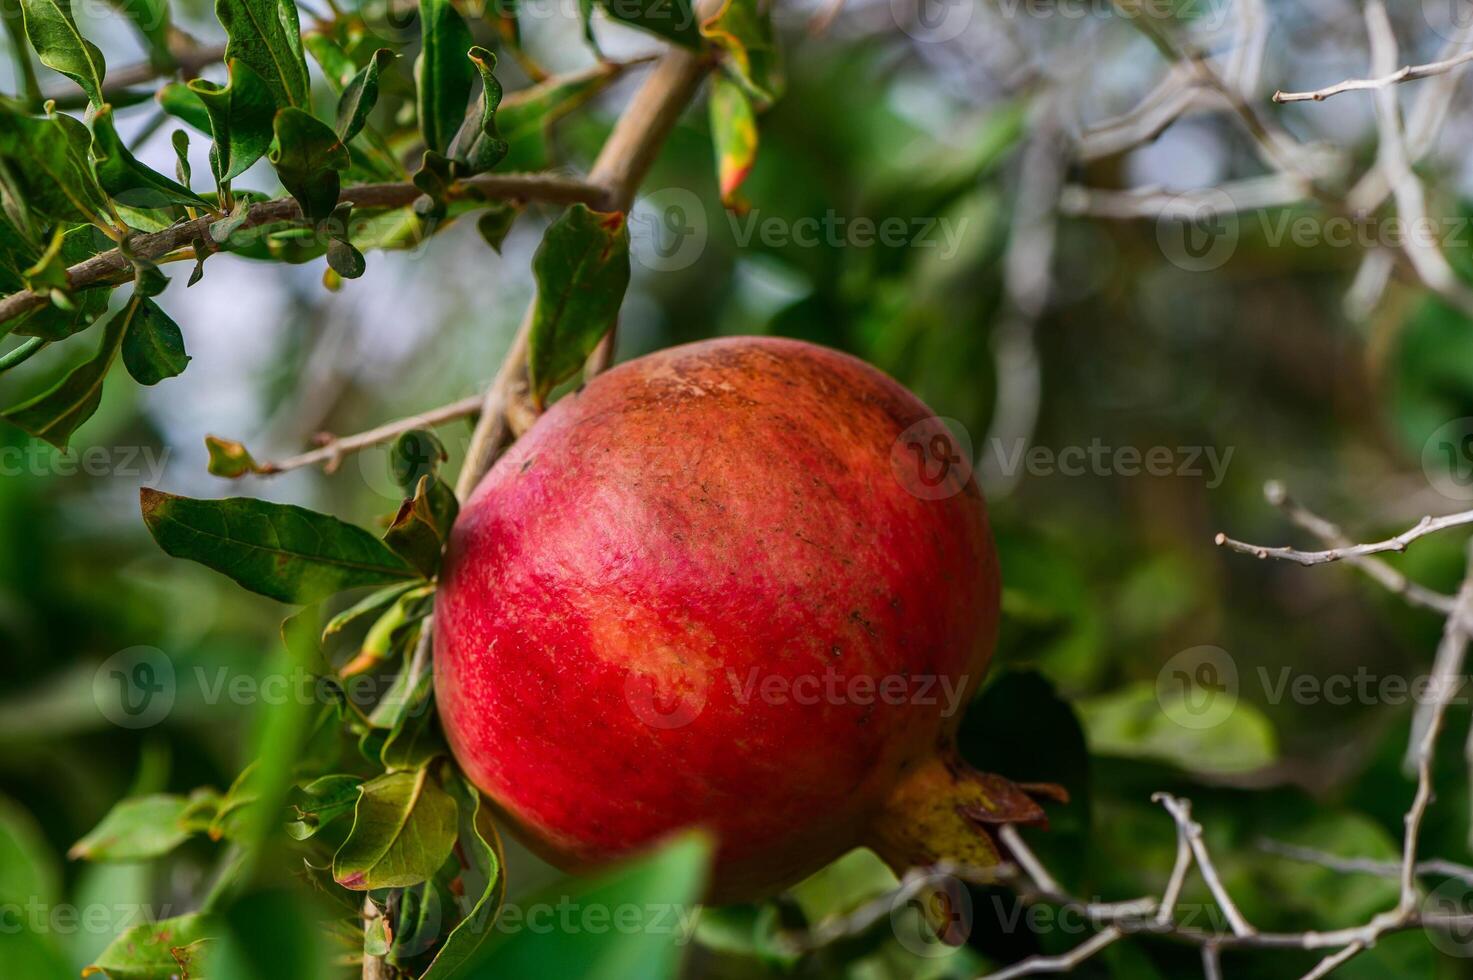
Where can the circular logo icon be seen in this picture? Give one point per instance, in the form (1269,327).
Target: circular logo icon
(1451,20)
(933,21)
(664,703)
(1198,688)
(932,459)
(1447,912)
(1447,459)
(134,688)
(934,918)
(1198,231)
(667,229)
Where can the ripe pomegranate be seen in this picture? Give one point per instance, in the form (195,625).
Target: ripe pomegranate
(736,584)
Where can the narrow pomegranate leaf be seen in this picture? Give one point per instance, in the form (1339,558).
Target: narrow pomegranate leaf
(136,829)
(743,30)
(128,180)
(322,801)
(483,885)
(239,116)
(478,145)
(442,73)
(422,526)
(734,133)
(169,948)
(404,827)
(53,33)
(361,95)
(309,158)
(267,35)
(582,271)
(282,551)
(371,603)
(56,413)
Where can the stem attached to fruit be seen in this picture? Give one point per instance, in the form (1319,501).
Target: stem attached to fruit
(944,810)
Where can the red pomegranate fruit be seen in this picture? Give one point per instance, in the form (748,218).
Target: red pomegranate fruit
(745,584)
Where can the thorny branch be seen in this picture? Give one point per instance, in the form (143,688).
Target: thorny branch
(1341,945)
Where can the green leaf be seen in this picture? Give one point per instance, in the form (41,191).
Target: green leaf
(1135,722)
(282,551)
(153,347)
(483,883)
(267,36)
(46,169)
(337,67)
(308,157)
(495,223)
(582,271)
(386,634)
(361,95)
(58,43)
(342,257)
(404,827)
(123,177)
(150,18)
(136,830)
(56,413)
(674,20)
(477,145)
(181,102)
(422,525)
(415,739)
(180,140)
(165,950)
(442,73)
(229,458)
(240,119)
(671,880)
(322,801)
(734,133)
(415,454)
(371,603)
(743,30)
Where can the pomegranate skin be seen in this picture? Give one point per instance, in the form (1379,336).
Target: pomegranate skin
(679,599)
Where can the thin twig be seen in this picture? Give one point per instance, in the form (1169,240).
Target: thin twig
(1394,581)
(1366,866)
(1064,962)
(1407,73)
(1181,812)
(1398,543)
(331,452)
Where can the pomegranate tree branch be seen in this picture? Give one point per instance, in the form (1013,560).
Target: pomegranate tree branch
(621,165)
(1407,73)
(332,450)
(113,266)
(1424,527)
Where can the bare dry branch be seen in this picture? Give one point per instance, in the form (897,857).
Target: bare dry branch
(1407,73)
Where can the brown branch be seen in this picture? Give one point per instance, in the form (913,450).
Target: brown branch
(621,165)
(332,451)
(112,266)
